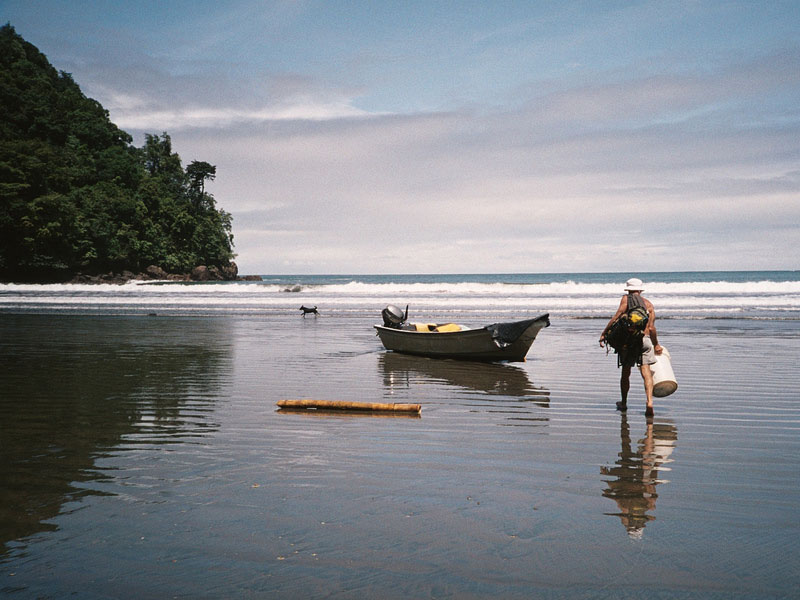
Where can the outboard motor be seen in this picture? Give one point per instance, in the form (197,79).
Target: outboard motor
(393,317)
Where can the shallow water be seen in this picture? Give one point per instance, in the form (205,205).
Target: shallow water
(144,457)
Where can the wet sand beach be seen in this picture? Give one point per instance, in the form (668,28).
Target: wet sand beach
(145,457)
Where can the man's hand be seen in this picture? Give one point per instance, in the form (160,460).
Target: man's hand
(603,341)
(658,349)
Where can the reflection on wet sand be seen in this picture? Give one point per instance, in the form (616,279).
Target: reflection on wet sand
(636,473)
(496,379)
(110,383)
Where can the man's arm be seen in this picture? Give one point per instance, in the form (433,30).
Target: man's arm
(651,328)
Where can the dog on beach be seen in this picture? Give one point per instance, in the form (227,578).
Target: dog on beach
(309,311)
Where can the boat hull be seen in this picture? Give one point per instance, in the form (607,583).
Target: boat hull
(499,342)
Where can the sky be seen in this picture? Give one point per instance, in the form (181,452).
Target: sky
(361,137)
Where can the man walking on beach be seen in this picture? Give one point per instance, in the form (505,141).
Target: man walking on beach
(642,352)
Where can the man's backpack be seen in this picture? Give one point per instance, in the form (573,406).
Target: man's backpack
(627,331)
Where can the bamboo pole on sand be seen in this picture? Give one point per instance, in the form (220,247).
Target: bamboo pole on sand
(346,405)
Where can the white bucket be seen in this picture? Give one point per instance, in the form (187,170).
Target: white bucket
(664,382)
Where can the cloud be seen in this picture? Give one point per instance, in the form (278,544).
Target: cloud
(489,190)
(660,161)
(146,99)
(190,117)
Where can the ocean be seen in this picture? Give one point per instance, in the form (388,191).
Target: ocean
(742,294)
(144,456)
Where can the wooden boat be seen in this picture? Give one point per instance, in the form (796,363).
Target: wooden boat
(497,342)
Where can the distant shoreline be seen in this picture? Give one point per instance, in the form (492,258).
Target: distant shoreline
(201,273)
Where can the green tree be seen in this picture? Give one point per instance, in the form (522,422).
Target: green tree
(198,172)
(76,195)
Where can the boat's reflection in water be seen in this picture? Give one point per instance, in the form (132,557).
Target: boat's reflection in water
(491,387)
(637,472)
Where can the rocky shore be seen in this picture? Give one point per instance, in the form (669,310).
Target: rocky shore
(229,272)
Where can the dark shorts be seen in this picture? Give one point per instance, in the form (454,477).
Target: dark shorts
(646,357)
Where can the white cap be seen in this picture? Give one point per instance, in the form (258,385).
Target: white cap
(634,285)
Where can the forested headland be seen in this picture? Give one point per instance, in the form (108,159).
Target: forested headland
(79,202)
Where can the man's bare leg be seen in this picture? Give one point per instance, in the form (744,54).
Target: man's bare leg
(624,386)
(647,375)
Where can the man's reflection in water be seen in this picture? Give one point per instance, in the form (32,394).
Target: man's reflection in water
(636,473)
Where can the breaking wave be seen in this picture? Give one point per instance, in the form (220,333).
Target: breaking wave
(742,297)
